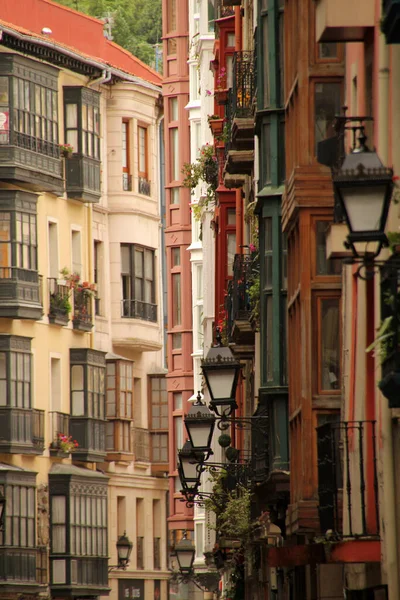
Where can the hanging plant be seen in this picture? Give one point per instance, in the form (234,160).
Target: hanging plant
(204,169)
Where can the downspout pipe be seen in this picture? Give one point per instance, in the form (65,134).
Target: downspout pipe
(105,77)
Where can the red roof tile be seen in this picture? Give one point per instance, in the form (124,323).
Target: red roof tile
(74,30)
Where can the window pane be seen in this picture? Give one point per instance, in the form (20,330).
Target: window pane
(325,266)
(330,344)
(327,106)
(173,109)
(231,249)
(176,295)
(176,257)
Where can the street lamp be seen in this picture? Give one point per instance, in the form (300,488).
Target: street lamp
(124,549)
(185,552)
(200,423)
(364,188)
(221,373)
(188,460)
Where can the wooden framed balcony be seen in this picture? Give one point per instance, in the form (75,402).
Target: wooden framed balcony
(21,430)
(342,21)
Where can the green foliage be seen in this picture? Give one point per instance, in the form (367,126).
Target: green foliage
(136,24)
(394,239)
(204,169)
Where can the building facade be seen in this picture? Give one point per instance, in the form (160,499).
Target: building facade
(85,433)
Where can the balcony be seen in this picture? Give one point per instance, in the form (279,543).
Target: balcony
(59,425)
(119,440)
(21,430)
(141,444)
(91,436)
(140,552)
(347,479)
(21,568)
(83,178)
(391,21)
(20,294)
(59,304)
(243,97)
(144,186)
(83,313)
(157,553)
(342,21)
(79,577)
(29,160)
(136,309)
(126,182)
(238,304)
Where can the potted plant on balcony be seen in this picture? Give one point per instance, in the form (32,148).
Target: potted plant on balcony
(221,89)
(66,150)
(216,124)
(204,169)
(83,292)
(63,445)
(59,308)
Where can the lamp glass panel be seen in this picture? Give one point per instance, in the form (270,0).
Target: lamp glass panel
(364,207)
(220,382)
(185,558)
(200,433)
(123,551)
(189,468)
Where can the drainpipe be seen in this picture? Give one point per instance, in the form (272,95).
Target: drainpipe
(105,77)
(385,434)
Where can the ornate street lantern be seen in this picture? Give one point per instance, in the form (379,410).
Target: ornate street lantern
(188,461)
(185,552)
(124,549)
(221,372)
(364,188)
(200,423)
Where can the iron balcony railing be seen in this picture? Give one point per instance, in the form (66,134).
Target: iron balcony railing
(238,306)
(144,186)
(126,182)
(347,478)
(157,552)
(21,565)
(140,552)
(83,315)
(59,424)
(243,89)
(136,309)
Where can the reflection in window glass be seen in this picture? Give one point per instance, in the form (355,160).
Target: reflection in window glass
(328,50)
(175,195)
(269,337)
(176,341)
(325,266)
(329,344)
(231,249)
(211,14)
(327,106)
(173,109)
(176,257)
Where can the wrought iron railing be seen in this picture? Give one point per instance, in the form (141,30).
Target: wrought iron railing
(126,182)
(347,478)
(82,309)
(140,552)
(59,423)
(19,565)
(144,186)
(141,444)
(157,552)
(28,142)
(243,88)
(136,309)
(58,297)
(238,305)
(38,429)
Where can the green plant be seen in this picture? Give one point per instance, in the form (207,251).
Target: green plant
(66,443)
(394,240)
(204,169)
(213,118)
(60,302)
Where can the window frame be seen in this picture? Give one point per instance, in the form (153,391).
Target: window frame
(143,127)
(87,136)
(126,155)
(314,82)
(318,299)
(158,432)
(131,279)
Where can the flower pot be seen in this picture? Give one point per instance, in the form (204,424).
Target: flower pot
(221,96)
(82,325)
(57,316)
(66,154)
(216,126)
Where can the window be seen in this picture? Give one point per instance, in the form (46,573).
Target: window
(55,374)
(138,282)
(98,259)
(20,513)
(327,50)
(54,269)
(159,419)
(31,120)
(327,98)
(82,120)
(144,185)
(76,252)
(174,155)
(119,406)
(16,375)
(126,176)
(140,529)
(267,293)
(176,300)
(328,344)
(175,195)
(88,514)
(171,16)
(211,14)
(325,266)
(18,235)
